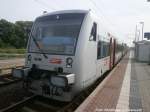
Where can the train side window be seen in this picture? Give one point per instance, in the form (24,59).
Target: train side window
(99,50)
(93,34)
(105,49)
(119,48)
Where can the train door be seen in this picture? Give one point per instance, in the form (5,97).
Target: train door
(114,51)
(99,64)
(89,63)
(99,55)
(111,54)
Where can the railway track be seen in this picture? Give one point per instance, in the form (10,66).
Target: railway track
(35,104)
(8,79)
(39,104)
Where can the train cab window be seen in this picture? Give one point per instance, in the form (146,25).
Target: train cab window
(93,34)
(57,34)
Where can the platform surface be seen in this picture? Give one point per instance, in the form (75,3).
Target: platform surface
(127,88)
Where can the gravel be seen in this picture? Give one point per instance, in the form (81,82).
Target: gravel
(11,94)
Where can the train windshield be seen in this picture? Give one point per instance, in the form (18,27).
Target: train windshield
(56,34)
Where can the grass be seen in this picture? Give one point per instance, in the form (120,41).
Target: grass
(11,53)
(8,56)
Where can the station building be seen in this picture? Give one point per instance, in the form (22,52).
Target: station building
(142,51)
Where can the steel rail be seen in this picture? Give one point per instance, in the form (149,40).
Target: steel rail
(8,81)
(18,105)
(6,68)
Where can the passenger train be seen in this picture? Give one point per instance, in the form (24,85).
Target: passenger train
(67,51)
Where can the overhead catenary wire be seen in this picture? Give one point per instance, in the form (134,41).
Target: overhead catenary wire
(45,5)
(100,11)
(57,4)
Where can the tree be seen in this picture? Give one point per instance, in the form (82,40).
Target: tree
(6,32)
(14,34)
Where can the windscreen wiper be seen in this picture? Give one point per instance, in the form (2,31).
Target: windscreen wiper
(37,45)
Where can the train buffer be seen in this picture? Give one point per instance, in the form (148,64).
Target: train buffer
(127,88)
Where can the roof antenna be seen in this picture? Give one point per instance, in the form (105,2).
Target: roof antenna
(44,12)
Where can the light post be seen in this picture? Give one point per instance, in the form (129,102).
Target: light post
(142,23)
(138,36)
(136,33)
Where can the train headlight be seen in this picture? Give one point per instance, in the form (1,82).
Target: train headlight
(69,62)
(59,81)
(63,80)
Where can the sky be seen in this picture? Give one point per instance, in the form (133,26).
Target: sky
(121,16)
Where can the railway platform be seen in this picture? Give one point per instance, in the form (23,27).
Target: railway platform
(127,88)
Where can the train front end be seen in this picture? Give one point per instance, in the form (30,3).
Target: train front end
(50,66)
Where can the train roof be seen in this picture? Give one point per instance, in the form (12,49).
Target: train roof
(64,11)
(94,15)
